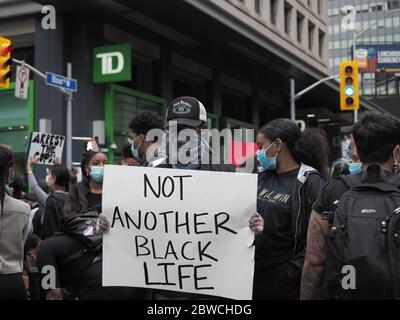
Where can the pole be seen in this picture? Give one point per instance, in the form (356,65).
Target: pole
(354,59)
(314,85)
(292,100)
(69,121)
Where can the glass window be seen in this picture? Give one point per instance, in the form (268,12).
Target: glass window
(258,7)
(300,23)
(336,29)
(311,32)
(288,17)
(273,11)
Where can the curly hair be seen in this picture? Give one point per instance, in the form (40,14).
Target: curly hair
(309,147)
(146,121)
(6,162)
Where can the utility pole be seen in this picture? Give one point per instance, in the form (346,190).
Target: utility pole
(69,99)
(292,100)
(295,96)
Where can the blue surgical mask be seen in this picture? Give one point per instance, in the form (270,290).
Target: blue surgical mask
(347,151)
(33,270)
(355,168)
(97,174)
(267,163)
(135,150)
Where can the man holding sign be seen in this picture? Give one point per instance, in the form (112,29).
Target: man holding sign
(182,234)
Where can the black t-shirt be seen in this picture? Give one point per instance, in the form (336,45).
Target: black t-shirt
(274,203)
(81,276)
(329,196)
(94,201)
(58,208)
(331,193)
(57,249)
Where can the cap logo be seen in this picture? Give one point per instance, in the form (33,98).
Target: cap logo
(181,107)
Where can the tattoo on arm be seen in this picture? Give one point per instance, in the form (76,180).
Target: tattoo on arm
(315,256)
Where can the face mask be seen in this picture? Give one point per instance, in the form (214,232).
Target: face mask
(48,182)
(193,150)
(347,150)
(97,174)
(189,166)
(134,150)
(32,269)
(267,163)
(355,168)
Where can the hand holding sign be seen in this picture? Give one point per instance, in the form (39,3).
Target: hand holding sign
(47,147)
(256,223)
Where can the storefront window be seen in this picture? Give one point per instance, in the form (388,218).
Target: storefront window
(122,105)
(16,123)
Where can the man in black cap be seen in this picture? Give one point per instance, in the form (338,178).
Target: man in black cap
(186,118)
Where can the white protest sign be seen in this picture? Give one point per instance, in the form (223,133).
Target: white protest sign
(21,83)
(179,230)
(46,146)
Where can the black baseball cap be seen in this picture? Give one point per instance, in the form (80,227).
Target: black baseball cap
(187,111)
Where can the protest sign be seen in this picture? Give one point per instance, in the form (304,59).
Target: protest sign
(47,147)
(179,230)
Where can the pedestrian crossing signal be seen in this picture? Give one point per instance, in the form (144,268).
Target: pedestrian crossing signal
(349,95)
(5,62)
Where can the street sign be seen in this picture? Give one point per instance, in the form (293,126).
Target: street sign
(56,80)
(21,83)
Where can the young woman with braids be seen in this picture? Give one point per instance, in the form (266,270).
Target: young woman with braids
(14,219)
(290,167)
(91,188)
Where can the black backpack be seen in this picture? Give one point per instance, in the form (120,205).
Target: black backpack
(365,238)
(83,228)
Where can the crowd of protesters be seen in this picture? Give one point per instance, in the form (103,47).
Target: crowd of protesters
(294,245)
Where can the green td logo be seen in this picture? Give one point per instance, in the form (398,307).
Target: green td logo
(112,63)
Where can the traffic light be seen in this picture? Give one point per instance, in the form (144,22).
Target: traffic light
(5,62)
(349,98)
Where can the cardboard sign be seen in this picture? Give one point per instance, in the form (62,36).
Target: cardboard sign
(179,230)
(46,146)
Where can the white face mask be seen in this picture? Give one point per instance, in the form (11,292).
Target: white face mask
(48,180)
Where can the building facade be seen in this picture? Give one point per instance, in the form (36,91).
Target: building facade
(236,56)
(384,24)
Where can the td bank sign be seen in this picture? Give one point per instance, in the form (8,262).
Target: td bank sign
(112,63)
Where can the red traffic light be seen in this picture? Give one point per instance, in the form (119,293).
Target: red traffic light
(7,50)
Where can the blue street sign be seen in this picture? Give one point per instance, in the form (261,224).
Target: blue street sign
(56,80)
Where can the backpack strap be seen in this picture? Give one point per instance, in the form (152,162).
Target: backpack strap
(351,180)
(394,180)
(75,256)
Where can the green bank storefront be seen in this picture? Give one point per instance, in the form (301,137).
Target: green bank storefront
(17,122)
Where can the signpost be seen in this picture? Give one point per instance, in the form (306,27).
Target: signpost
(65,85)
(21,83)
